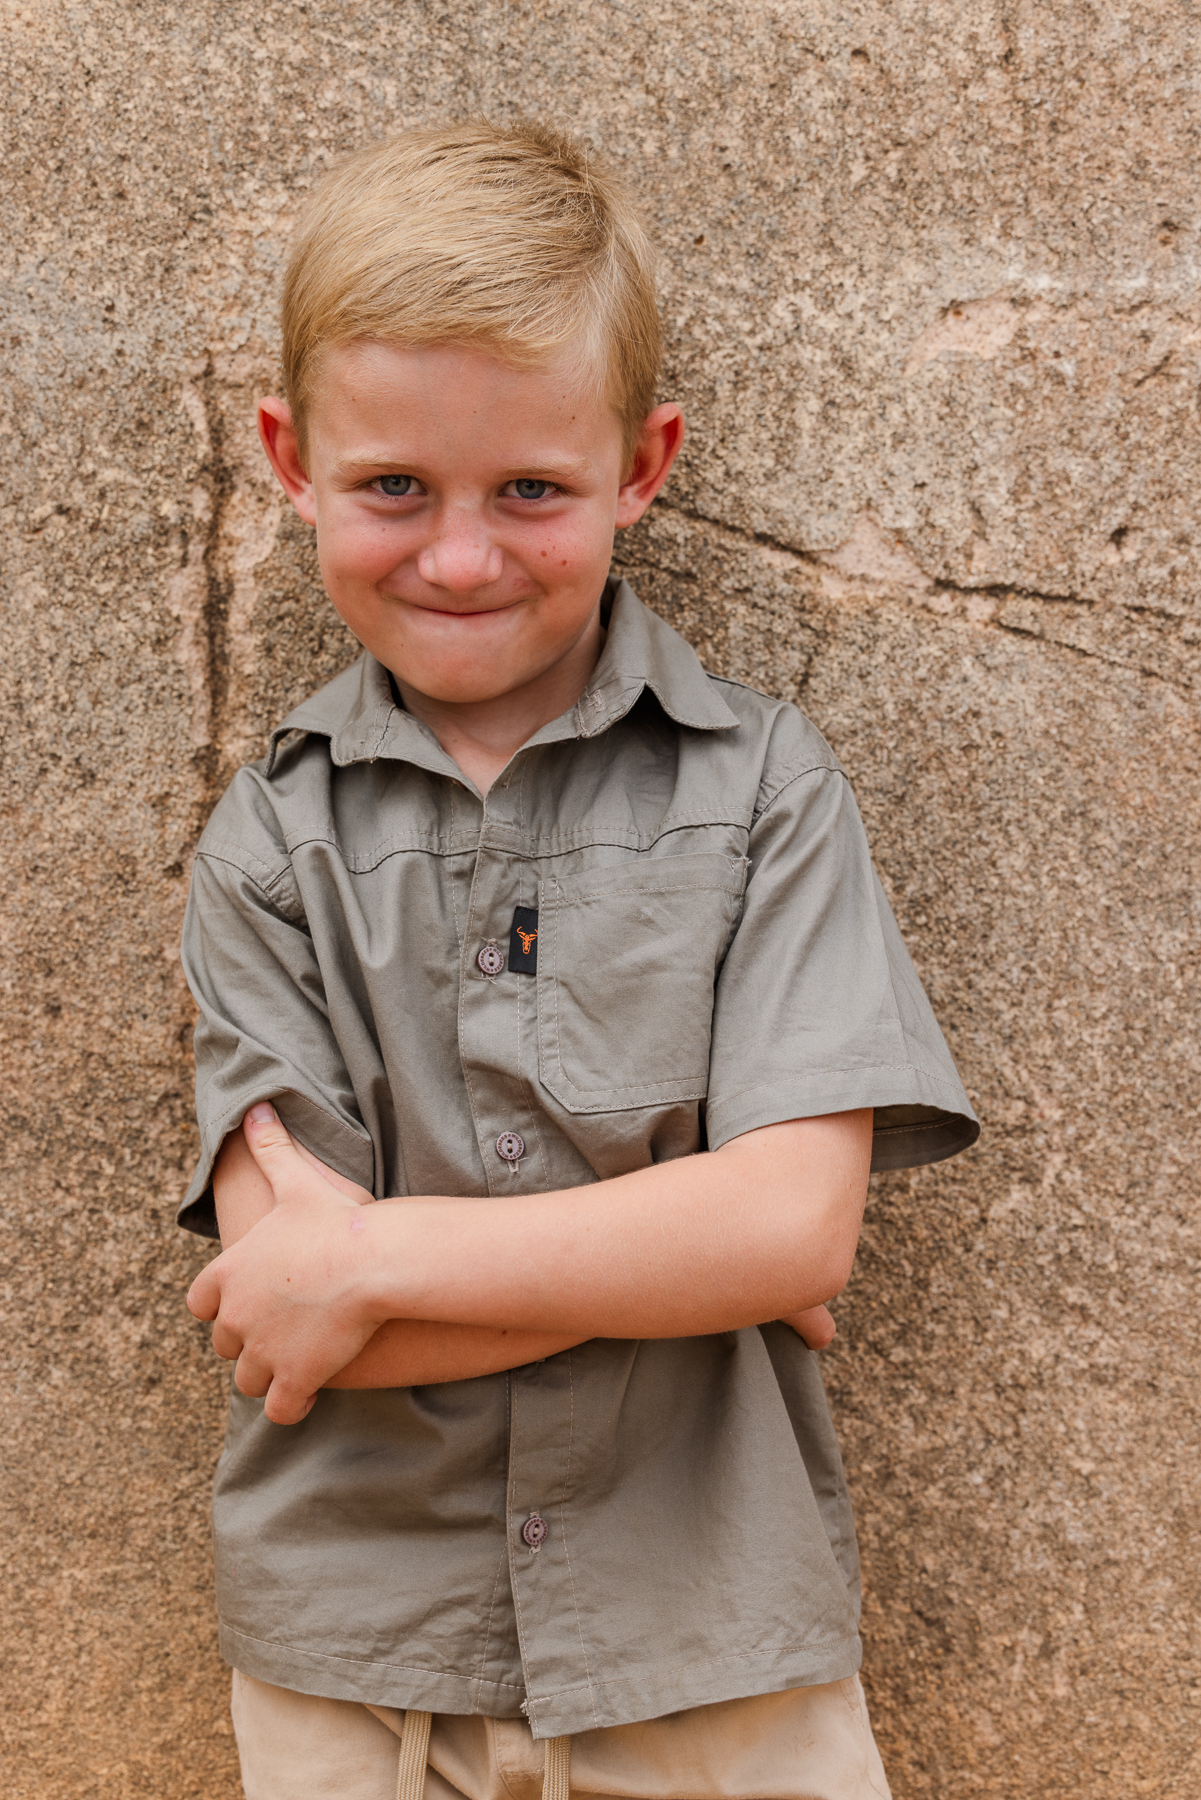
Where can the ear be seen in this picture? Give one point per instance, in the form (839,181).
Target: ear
(658,446)
(279,439)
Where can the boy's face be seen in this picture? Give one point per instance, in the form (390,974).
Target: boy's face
(465,509)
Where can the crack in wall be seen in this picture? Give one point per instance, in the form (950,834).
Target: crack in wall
(1090,655)
(938,595)
(743,532)
(198,594)
(232,530)
(818,561)
(216,604)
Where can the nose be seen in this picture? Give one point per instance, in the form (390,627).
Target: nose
(460,555)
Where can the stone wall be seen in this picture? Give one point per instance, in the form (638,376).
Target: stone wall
(929,278)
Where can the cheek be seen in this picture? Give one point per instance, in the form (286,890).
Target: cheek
(570,549)
(357,551)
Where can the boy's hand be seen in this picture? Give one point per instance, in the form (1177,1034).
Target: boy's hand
(285,1300)
(816,1326)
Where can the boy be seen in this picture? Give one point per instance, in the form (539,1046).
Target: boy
(550,1012)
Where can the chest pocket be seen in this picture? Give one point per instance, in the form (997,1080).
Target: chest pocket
(627,960)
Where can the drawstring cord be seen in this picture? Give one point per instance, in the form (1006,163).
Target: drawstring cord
(414,1754)
(415,1750)
(556,1769)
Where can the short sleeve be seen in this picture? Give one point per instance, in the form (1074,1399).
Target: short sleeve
(818,1007)
(264,1031)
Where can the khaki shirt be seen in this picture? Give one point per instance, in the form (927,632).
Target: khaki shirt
(713,954)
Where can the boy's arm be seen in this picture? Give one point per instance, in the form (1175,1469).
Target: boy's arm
(403,1352)
(763,1228)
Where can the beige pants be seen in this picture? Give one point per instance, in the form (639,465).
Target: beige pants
(812,1743)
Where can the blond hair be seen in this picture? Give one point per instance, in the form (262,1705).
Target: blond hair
(512,238)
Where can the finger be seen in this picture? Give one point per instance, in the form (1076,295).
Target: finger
(815,1326)
(227,1343)
(204,1295)
(819,1328)
(272,1148)
(286,1405)
(251,1377)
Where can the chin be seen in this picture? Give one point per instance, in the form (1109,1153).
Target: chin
(454,680)
(461,690)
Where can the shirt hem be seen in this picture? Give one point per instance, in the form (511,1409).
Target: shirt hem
(647,1693)
(370,1683)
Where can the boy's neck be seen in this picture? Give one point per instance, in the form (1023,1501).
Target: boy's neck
(483,735)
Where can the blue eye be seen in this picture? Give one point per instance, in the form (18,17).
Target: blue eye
(531,490)
(395,485)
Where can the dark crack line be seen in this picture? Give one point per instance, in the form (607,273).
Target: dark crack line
(1178,684)
(1143,610)
(217,588)
(1159,368)
(1005,590)
(992,591)
(741,531)
(997,590)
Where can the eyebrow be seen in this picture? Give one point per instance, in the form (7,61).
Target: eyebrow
(370,465)
(361,465)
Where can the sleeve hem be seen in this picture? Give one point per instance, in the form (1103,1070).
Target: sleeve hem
(331,1138)
(940,1121)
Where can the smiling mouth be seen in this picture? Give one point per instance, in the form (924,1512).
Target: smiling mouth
(466,612)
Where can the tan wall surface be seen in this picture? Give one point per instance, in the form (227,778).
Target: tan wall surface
(930,283)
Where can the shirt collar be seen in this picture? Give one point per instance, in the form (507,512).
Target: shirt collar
(358,713)
(642,651)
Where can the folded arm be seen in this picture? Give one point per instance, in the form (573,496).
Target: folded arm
(763,1228)
(402,1352)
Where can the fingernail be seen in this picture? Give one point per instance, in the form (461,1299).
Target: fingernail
(261,1114)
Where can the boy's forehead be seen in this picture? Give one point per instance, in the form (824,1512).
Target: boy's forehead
(407,390)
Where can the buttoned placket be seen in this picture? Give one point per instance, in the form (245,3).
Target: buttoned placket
(497,1006)
(549,1631)
(497,1040)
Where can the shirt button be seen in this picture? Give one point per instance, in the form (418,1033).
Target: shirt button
(490,959)
(535,1531)
(510,1147)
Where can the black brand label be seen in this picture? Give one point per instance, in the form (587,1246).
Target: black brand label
(523,941)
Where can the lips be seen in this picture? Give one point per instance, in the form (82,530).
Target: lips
(446,612)
(470,612)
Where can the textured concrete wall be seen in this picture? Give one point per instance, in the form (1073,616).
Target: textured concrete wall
(929,276)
